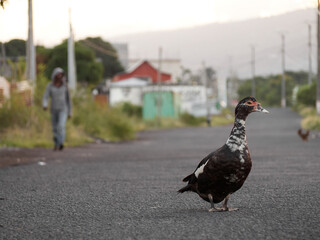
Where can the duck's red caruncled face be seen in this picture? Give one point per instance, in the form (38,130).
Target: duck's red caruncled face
(256,106)
(252,104)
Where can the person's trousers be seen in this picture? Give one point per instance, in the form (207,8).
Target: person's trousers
(58,119)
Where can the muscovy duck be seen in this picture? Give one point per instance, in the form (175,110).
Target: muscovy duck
(224,171)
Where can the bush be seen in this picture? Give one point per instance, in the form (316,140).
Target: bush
(307,111)
(15,113)
(310,119)
(131,110)
(25,126)
(268,88)
(30,126)
(191,120)
(119,127)
(307,95)
(311,122)
(99,122)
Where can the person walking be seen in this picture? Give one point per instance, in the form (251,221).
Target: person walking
(60,108)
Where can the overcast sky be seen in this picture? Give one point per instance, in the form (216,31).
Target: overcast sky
(118,17)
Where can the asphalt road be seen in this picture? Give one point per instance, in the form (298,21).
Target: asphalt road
(128,190)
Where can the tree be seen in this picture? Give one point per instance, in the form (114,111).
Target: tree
(43,54)
(15,51)
(88,69)
(106,53)
(268,89)
(299,78)
(15,48)
(307,94)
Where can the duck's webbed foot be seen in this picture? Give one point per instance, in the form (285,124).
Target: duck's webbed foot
(225,207)
(213,208)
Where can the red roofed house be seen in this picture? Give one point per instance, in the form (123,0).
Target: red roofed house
(143,70)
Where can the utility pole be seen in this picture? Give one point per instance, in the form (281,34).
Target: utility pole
(4,61)
(159,102)
(283,81)
(72,77)
(230,83)
(253,70)
(205,83)
(318,61)
(31,51)
(309,55)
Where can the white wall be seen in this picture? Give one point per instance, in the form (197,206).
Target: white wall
(125,94)
(189,95)
(192,98)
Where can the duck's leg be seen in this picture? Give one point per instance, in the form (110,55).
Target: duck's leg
(225,207)
(212,209)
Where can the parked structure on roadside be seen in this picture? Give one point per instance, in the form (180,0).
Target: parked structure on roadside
(23,88)
(4,90)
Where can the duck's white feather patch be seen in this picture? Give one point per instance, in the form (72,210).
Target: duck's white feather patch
(200,169)
(243,122)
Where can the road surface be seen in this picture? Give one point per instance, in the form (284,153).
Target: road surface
(128,190)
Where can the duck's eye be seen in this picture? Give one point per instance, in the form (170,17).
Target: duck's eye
(249,102)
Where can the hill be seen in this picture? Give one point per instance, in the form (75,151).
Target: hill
(226,46)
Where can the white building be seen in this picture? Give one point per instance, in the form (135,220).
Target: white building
(192,98)
(129,90)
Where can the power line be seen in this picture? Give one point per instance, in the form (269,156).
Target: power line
(159,102)
(309,55)
(318,61)
(253,70)
(98,48)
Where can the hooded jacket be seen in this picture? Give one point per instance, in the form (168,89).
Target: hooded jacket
(60,96)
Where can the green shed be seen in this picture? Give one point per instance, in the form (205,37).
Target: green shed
(170,105)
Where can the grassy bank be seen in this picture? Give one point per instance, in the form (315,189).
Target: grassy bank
(30,126)
(310,119)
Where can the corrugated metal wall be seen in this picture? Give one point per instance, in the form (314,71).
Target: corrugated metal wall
(169,105)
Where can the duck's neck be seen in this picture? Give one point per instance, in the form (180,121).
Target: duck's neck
(237,139)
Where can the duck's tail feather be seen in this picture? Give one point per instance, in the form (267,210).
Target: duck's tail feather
(187,178)
(186,188)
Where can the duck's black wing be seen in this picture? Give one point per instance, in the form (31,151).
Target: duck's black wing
(193,177)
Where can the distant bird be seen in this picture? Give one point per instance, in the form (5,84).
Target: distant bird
(304,135)
(224,171)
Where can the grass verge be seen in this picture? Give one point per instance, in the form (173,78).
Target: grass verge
(30,126)
(310,119)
